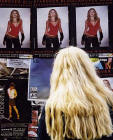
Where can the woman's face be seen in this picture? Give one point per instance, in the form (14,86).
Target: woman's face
(92,13)
(52,13)
(107,84)
(14,14)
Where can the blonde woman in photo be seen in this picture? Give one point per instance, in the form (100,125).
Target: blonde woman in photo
(12,94)
(92,27)
(53,27)
(78,105)
(14,27)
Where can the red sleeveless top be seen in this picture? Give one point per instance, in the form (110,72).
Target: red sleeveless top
(53,29)
(92,29)
(14,30)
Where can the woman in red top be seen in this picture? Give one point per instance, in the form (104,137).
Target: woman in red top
(53,25)
(13,29)
(92,26)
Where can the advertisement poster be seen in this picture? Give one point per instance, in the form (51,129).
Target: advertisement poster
(15,30)
(39,78)
(15,106)
(14,68)
(15,110)
(83,20)
(103,65)
(53,39)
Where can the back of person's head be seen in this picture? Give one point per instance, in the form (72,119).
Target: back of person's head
(78,102)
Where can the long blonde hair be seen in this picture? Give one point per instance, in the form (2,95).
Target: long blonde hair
(78,102)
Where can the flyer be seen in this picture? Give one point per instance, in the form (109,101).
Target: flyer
(39,78)
(103,64)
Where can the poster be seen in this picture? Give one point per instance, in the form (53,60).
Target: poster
(39,78)
(82,16)
(15,109)
(103,64)
(14,67)
(15,30)
(43,14)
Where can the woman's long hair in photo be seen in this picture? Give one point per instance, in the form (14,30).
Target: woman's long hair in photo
(95,16)
(78,102)
(56,15)
(11,15)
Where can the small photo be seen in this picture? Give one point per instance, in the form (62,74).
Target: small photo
(15,106)
(14,28)
(103,65)
(108,82)
(92,27)
(14,67)
(52,28)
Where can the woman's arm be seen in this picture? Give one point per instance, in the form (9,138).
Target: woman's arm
(8,28)
(84,33)
(21,27)
(15,93)
(100,32)
(7,31)
(61,32)
(60,28)
(22,32)
(46,32)
(47,27)
(100,29)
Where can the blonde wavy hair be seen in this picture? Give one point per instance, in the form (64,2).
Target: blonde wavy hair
(78,102)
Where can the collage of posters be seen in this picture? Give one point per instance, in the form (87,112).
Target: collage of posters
(29,43)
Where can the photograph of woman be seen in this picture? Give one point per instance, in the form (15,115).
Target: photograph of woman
(54,33)
(108,82)
(15,28)
(53,25)
(92,28)
(12,94)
